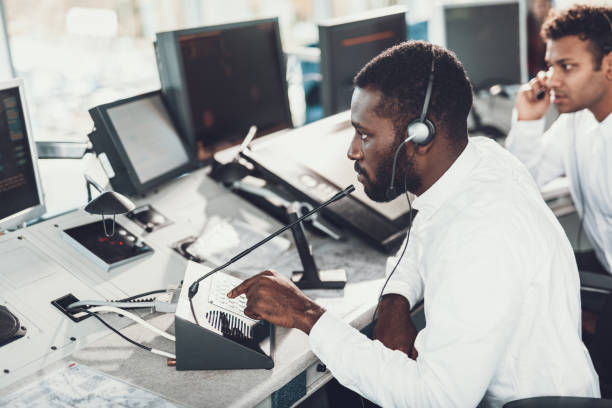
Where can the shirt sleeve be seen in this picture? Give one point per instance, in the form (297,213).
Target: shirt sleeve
(405,280)
(472,312)
(541,152)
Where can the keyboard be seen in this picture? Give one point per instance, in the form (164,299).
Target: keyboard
(221,283)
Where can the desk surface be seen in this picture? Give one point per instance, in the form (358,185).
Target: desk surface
(189,202)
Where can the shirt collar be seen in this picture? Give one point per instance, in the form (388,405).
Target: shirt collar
(606,126)
(591,124)
(450,182)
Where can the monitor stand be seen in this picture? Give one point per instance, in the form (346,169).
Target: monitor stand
(62,150)
(311,277)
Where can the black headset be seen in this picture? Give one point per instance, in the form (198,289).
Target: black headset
(420,131)
(607,48)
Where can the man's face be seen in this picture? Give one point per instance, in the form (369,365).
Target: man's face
(574,83)
(373,146)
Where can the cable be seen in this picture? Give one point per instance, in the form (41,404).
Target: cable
(110,309)
(403,250)
(193,313)
(153,292)
(142,346)
(410,217)
(125,305)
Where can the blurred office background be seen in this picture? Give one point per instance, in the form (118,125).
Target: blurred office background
(76,54)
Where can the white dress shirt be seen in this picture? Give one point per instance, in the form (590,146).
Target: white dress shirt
(580,147)
(501,292)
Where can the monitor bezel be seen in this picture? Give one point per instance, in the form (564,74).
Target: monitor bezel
(100,114)
(327,56)
(437,32)
(178,34)
(35,211)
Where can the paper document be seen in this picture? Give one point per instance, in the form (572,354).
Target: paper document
(79,386)
(223,239)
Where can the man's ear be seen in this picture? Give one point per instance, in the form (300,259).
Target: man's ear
(606,65)
(424,149)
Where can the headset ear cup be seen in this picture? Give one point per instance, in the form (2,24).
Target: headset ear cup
(432,131)
(421,133)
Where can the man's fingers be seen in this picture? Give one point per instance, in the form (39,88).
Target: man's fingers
(535,89)
(248,311)
(541,85)
(542,78)
(246,284)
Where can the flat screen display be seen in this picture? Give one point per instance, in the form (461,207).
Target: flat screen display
(148,136)
(346,46)
(18,189)
(234,81)
(486,38)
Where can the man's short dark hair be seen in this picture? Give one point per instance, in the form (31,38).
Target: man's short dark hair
(401,74)
(587,22)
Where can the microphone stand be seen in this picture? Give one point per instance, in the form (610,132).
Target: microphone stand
(193,289)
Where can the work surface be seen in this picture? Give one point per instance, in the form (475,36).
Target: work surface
(190,202)
(38,265)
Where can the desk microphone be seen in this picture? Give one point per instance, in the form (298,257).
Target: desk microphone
(193,289)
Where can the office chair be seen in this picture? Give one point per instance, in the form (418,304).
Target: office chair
(595,282)
(560,402)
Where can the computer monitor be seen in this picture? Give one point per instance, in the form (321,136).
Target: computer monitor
(489,39)
(348,43)
(21,195)
(220,80)
(138,144)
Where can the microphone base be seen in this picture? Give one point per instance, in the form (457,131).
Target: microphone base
(328,279)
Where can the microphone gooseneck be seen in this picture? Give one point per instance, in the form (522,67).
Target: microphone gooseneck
(193,289)
(391,189)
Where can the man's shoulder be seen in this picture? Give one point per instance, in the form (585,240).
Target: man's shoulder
(497,166)
(498,187)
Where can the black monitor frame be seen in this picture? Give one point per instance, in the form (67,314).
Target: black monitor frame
(376,25)
(174,82)
(34,211)
(517,45)
(108,146)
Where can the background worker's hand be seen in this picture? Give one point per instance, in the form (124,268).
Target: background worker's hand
(527,104)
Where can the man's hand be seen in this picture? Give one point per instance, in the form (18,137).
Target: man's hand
(394,327)
(528,106)
(273,297)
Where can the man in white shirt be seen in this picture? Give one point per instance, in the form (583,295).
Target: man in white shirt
(487,256)
(578,145)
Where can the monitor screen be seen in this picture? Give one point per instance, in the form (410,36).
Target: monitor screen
(229,78)
(347,44)
(488,41)
(138,143)
(148,136)
(20,195)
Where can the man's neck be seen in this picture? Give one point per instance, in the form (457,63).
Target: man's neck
(442,164)
(603,107)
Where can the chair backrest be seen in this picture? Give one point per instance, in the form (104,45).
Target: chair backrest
(560,402)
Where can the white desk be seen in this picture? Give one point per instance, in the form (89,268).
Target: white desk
(189,202)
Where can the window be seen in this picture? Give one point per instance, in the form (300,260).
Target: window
(77,54)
